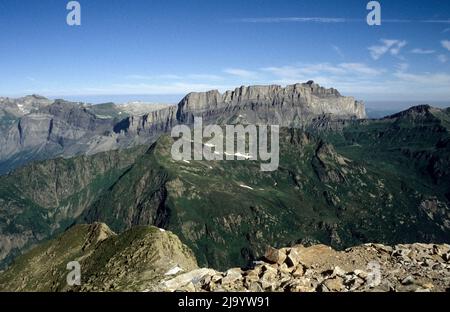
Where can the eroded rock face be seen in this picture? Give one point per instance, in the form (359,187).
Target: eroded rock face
(35,128)
(319,268)
(291,106)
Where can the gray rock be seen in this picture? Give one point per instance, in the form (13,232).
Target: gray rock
(409,280)
(289,106)
(36,128)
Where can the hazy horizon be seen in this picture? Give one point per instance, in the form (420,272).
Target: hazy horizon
(173,99)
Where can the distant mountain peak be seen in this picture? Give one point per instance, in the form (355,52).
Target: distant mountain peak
(301,99)
(414,112)
(36,96)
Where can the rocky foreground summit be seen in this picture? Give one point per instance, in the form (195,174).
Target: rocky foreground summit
(152,259)
(319,268)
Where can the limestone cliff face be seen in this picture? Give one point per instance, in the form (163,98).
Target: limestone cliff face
(290,106)
(293,106)
(148,125)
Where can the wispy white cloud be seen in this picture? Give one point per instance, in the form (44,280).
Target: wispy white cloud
(295,20)
(364,81)
(170,76)
(300,72)
(446,30)
(442,58)
(425,79)
(318,19)
(174,77)
(391,46)
(138,77)
(446,44)
(242,73)
(360,68)
(204,77)
(399,85)
(422,51)
(286,72)
(430,20)
(337,50)
(402,67)
(140,88)
(150,77)
(314,69)
(436,21)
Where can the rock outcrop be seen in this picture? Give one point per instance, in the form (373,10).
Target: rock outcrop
(294,105)
(319,268)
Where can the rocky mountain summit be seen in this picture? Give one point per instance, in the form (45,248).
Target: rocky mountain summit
(319,268)
(22,106)
(152,259)
(36,128)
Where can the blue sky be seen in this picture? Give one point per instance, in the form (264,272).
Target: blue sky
(162,49)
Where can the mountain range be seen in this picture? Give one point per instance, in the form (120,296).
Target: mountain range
(343,180)
(36,128)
